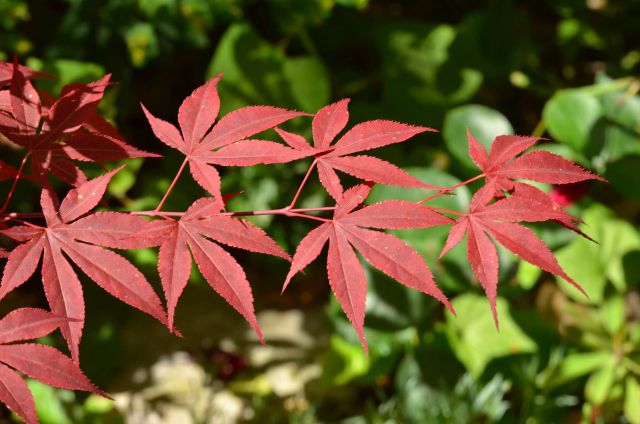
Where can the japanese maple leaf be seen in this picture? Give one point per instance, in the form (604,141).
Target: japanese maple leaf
(499,221)
(226,144)
(328,123)
(6,73)
(37,361)
(68,130)
(500,168)
(199,231)
(384,251)
(68,238)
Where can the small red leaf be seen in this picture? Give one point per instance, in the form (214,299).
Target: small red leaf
(373,134)
(477,151)
(328,123)
(174,266)
(348,281)
(546,167)
(28,324)
(47,365)
(308,250)
(206,176)
(329,180)
(86,197)
(15,393)
(225,276)
(253,152)
(22,263)
(198,112)
(295,141)
(395,215)
(483,258)
(165,131)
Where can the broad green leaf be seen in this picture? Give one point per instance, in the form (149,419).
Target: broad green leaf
(592,264)
(483,122)
(343,362)
(570,116)
(632,399)
(474,338)
(49,405)
(308,81)
(527,275)
(612,314)
(576,365)
(599,383)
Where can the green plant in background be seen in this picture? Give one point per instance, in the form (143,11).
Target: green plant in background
(562,69)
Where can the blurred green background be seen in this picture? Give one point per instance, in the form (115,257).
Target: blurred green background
(563,69)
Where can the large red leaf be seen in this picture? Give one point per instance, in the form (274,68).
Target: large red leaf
(384,251)
(15,393)
(27,324)
(198,112)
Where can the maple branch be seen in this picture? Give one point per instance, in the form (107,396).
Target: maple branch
(173,183)
(15,182)
(447,190)
(304,181)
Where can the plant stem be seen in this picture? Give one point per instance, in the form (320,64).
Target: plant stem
(15,182)
(304,181)
(447,190)
(173,183)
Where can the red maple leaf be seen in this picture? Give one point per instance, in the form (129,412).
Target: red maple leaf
(498,221)
(500,169)
(328,123)
(37,361)
(6,73)
(65,234)
(68,130)
(384,251)
(199,231)
(7,171)
(226,144)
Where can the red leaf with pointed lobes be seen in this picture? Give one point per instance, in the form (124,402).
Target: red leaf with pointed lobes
(477,151)
(64,295)
(120,230)
(373,134)
(348,281)
(75,107)
(24,102)
(86,197)
(88,147)
(6,72)
(28,324)
(22,263)
(206,176)
(329,121)
(506,147)
(295,141)
(15,393)
(546,167)
(385,252)
(165,131)
(174,267)
(47,365)
(65,170)
(253,152)
(395,215)
(396,259)
(245,122)
(199,111)
(524,243)
(369,168)
(117,276)
(330,180)
(483,257)
(225,276)
(308,250)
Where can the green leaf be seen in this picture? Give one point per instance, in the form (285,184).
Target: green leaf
(483,122)
(257,72)
(570,115)
(142,43)
(49,405)
(474,338)
(599,383)
(576,365)
(343,362)
(612,314)
(632,400)
(591,264)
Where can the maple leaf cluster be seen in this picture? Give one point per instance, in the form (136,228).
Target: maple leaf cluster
(56,134)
